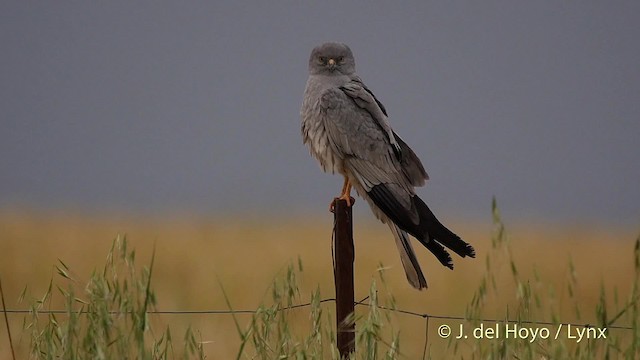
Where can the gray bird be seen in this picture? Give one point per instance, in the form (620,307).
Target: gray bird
(347,131)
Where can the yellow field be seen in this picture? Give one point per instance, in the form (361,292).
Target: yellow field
(193,254)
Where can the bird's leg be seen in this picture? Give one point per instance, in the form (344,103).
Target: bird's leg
(345,184)
(346,191)
(345,194)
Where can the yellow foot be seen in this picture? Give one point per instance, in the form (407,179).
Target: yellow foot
(345,194)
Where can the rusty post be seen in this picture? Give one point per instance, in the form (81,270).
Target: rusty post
(343,276)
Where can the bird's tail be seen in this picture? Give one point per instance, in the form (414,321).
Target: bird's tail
(408,258)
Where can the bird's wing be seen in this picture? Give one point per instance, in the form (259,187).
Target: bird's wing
(362,141)
(365,99)
(357,129)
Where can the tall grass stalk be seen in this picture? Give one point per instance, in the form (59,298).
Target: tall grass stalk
(274,331)
(532,304)
(106,318)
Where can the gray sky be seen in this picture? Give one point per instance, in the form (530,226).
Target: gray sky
(194,106)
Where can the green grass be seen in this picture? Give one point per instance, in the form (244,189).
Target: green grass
(272,332)
(111,315)
(106,318)
(534,305)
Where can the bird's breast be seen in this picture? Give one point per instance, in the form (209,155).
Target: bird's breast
(314,131)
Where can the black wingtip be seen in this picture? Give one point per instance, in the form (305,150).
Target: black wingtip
(459,246)
(432,229)
(441,253)
(471,251)
(429,231)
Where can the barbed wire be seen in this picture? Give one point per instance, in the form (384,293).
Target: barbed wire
(422,315)
(308,304)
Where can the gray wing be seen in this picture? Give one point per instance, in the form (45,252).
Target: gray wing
(384,171)
(358,129)
(365,99)
(373,155)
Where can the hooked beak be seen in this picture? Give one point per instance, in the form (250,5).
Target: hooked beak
(331,63)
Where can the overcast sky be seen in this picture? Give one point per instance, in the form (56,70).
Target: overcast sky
(194,106)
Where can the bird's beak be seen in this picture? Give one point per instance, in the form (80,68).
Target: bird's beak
(332,62)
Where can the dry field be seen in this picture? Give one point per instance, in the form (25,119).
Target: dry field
(195,256)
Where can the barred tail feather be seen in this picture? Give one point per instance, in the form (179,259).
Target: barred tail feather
(408,258)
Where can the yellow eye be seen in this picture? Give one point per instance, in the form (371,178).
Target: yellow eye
(322,59)
(340,59)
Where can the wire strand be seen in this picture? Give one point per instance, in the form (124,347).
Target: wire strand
(426,316)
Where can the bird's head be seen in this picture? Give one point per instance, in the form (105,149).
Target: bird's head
(332,59)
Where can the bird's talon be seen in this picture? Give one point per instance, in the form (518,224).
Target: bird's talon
(347,199)
(332,205)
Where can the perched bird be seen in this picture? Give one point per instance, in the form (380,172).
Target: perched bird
(347,131)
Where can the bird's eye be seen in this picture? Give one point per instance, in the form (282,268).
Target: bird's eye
(322,59)
(340,59)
